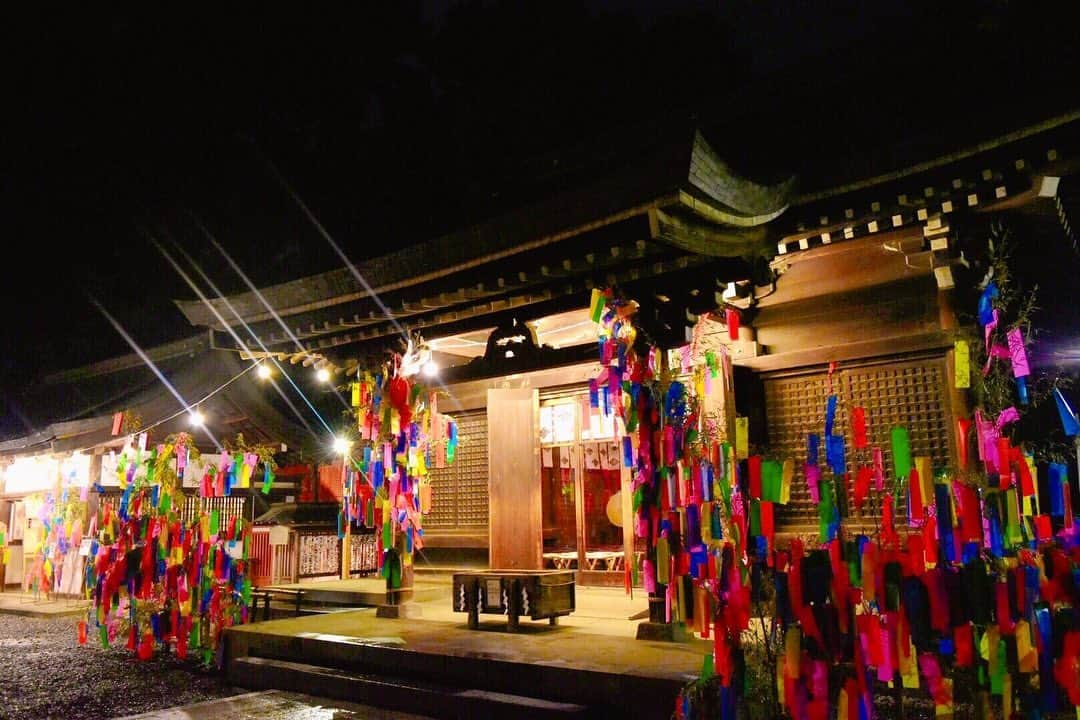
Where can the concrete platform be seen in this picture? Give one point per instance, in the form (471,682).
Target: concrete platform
(359,592)
(591,659)
(27,605)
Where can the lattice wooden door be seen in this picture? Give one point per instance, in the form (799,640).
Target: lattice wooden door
(912,393)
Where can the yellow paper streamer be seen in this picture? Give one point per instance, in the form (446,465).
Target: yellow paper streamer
(792,648)
(962,355)
(780,672)
(1028,659)
(742,437)
(946,710)
(785,484)
(926,479)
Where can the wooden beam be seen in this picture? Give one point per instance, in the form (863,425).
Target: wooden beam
(461,251)
(821,355)
(533,278)
(516,301)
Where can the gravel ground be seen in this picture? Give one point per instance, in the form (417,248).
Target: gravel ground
(45,673)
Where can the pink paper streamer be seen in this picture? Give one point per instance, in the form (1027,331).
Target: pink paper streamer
(1008,415)
(1019,355)
(989,329)
(885,669)
(650,576)
(813,478)
(987,440)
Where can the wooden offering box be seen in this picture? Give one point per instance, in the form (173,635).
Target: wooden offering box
(535,594)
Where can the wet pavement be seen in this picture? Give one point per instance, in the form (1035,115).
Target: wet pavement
(45,673)
(275,705)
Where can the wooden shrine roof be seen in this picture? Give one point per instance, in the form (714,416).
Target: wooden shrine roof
(677,217)
(73,410)
(676,207)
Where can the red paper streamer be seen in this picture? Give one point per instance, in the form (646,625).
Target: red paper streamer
(858,426)
(962,427)
(915,498)
(965,645)
(753,464)
(732,318)
(862,485)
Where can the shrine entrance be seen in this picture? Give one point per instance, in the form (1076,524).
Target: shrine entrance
(583,492)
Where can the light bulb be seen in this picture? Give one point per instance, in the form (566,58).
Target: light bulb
(431,368)
(322,375)
(263,371)
(341,445)
(197,419)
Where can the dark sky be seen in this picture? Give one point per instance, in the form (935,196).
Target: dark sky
(409,121)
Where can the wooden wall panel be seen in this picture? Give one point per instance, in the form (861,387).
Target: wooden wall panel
(514,478)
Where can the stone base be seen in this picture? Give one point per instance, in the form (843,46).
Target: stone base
(662,632)
(401,610)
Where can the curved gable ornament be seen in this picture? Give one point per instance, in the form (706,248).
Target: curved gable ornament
(734,200)
(511,343)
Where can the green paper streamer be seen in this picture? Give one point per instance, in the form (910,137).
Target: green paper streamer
(825,510)
(707,670)
(772,473)
(755,517)
(268,481)
(165,502)
(104,633)
(901,453)
(214,519)
(386,535)
(1012,518)
(395,573)
(997,678)
(663,558)
(854,562)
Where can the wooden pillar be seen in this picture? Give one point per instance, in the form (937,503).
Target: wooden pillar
(514,479)
(346,542)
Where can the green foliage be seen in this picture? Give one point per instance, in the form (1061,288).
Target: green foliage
(265,452)
(995,390)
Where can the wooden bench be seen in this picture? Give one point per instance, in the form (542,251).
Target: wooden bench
(267,594)
(536,594)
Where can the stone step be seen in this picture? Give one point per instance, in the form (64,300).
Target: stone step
(401,694)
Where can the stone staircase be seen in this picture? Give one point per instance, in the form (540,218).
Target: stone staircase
(403,694)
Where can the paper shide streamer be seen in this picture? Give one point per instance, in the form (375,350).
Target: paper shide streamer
(386,484)
(978,583)
(159,583)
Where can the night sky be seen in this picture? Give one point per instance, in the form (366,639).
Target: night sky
(408,122)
